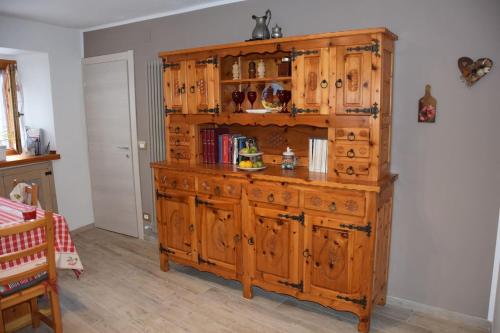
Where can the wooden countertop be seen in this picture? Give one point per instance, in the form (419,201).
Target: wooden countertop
(15,160)
(300,176)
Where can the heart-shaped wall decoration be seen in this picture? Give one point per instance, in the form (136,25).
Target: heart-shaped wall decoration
(472,70)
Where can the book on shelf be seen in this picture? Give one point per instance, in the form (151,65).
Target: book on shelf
(318,155)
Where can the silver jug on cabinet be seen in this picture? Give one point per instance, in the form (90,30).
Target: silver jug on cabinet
(261,30)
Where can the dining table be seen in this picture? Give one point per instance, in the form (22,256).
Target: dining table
(67,258)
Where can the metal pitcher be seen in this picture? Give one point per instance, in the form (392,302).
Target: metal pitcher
(261,30)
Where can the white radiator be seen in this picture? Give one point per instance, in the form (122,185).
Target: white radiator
(156,119)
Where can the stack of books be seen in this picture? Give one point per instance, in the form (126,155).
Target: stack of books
(318,155)
(221,147)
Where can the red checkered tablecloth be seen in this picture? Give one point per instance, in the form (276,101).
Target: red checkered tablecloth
(66,255)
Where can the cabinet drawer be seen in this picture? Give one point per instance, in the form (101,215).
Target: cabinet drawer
(175,181)
(342,202)
(180,153)
(352,134)
(219,187)
(178,129)
(352,168)
(352,150)
(275,194)
(178,140)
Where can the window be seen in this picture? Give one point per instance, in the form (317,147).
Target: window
(9,115)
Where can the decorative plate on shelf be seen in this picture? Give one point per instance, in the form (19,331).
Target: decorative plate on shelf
(270,98)
(257,111)
(251,169)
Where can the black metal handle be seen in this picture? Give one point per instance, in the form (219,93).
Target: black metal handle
(324,84)
(332,207)
(350,171)
(182,89)
(338,83)
(177,142)
(351,153)
(177,130)
(192,89)
(351,136)
(250,241)
(270,197)
(191,227)
(306,253)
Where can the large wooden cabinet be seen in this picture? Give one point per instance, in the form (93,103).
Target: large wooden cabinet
(322,237)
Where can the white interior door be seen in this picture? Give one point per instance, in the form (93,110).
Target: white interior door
(110,144)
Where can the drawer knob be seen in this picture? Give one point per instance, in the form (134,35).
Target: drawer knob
(174,184)
(177,130)
(177,142)
(350,170)
(338,83)
(351,153)
(217,190)
(191,227)
(324,84)
(332,207)
(250,241)
(351,136)
(270,197)
(306,253)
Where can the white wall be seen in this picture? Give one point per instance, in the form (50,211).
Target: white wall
(63,47)
(34,75)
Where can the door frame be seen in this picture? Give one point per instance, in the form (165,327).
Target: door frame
(129,57)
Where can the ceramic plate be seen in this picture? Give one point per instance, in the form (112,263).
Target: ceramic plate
(258,111)
(250,169)
(270,98)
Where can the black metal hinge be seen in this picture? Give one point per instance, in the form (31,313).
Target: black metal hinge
(204,261)
(212,60)
(48,173)
(171,65)
(372,110)
(299,218)
(162,195)
(299,286)
(296,110)
(374,47)
(360,301)
(198,201)
(168,111)
(166,250)
(365,228)
(294,54)
(214,110)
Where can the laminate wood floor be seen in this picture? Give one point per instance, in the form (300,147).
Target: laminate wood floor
(124,291)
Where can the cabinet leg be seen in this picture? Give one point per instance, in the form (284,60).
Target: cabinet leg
(364,324)
(164,262)
(247,288)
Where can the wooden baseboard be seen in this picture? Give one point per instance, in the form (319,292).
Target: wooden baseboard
(82,229)
(441,313)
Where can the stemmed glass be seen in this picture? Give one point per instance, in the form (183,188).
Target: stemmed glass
(252,96)
(284,96)
(238,98)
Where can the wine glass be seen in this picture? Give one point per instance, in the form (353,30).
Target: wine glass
(240,100)
(284,96)
(252,96)
(236,95)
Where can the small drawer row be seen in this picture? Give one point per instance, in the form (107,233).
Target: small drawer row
(352,151)
(179,142)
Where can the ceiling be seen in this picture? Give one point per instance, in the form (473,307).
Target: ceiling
(91,14)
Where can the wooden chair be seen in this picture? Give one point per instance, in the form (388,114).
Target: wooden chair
(45,284)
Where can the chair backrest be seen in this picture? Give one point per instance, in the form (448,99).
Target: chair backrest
(47,224)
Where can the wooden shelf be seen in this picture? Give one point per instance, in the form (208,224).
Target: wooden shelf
(283,119)
(14,160)
(301,175)
(258,80)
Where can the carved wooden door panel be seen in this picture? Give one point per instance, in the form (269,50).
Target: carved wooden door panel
(335,255)
(174,87)
(277,241)
(220,233)
(354,80)
(203,85)
(311,87)
(176,227)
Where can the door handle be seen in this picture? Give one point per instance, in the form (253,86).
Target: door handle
(123,147)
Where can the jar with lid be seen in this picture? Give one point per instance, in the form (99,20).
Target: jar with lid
(289,160)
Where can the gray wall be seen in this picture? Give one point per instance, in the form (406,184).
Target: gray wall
(447,196)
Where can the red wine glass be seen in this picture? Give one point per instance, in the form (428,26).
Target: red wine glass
(252,96)
(236,96)
(287,96)
(281,96)
(240,100)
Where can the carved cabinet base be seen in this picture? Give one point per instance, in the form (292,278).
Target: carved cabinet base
(322,244)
